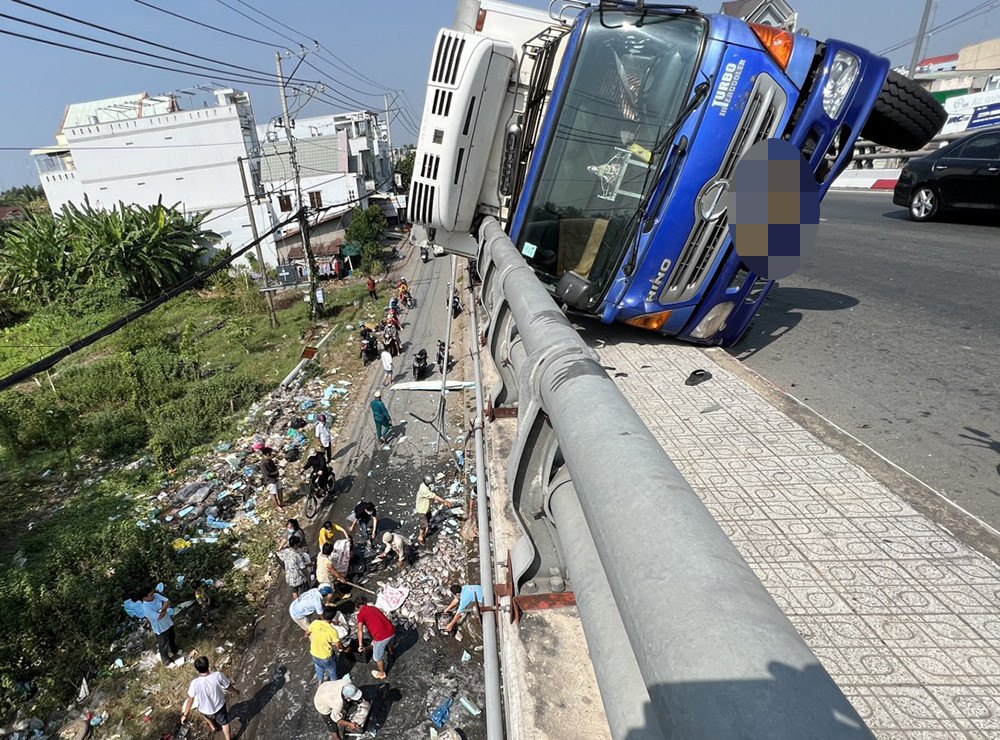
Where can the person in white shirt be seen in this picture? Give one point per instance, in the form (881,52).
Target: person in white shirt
(324,437)
(387,367)
(209,692)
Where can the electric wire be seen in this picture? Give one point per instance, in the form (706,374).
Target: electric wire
(51,360)
(209,26)
(249,72)
(974,12)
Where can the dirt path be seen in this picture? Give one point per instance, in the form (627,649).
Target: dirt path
(276,676)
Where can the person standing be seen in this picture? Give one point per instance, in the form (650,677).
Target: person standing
(394,543)
(366,518)
(156,608)
(371,288)
(324,437)
(383,422)
(269,468)
(386,366)
(296,562)
(323,636)
(208,690)
(330,700)
(383,634)
(311,602)
(464,598)
(426,497)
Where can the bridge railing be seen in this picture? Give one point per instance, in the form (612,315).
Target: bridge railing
(686,641)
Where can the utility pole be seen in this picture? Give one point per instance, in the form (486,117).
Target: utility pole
(300,210)
(256,238)
(388,124)
(919,45)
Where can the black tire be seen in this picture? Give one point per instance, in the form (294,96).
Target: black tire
(905,115)
(925,202)
(312,503)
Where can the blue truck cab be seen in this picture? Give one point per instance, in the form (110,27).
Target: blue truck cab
(611,161)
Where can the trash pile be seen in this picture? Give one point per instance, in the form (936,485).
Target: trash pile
(225,496)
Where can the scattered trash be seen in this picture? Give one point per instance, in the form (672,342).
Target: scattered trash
(710,409)
(466,656)
(698,376)
(84,690)
(470,705)
(242,564)
(443,713)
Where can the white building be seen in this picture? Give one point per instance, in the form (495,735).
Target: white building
(138,149)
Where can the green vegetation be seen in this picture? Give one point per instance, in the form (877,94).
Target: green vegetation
(29,197)
(368,226)
(405,168)
(166,386)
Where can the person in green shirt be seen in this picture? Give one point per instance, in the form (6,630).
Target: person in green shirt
(383,422)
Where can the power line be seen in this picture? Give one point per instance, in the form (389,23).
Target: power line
(343,66)
(49,362)
(970,14)
(207,25)
(95,53)
(250,72)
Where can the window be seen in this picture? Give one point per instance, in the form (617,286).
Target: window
(285,203)
(986,146)
(315,199)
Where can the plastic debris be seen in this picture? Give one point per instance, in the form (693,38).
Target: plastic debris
(443,713)
(470,705)
(466,656)
(84,690)
(242,564)
(180,544)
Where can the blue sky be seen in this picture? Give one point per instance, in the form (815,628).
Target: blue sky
(389,42)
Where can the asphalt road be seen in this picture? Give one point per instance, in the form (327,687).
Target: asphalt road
(891,330)
(277,676)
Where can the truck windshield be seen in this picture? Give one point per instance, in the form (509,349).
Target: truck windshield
(629,83)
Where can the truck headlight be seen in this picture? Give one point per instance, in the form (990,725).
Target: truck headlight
(843,73)
(714,321)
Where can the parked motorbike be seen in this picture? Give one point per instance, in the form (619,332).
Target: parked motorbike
(456,306)
(419,364)
(424,254)
(440,356)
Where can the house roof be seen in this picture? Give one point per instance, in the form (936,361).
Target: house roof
(10,212)
(320,249)
(938,60)
(121,108)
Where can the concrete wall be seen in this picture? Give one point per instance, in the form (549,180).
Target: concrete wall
(984,55)
(186,158)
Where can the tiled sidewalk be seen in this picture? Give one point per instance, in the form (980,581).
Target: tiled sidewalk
(904,616)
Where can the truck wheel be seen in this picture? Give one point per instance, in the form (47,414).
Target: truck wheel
(905,115)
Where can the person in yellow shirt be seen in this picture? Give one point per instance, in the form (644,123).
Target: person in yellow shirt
(329,532)
(426,497)
(323,636)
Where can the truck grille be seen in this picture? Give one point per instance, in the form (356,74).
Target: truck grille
(446,61)
(760,121)
(422,202)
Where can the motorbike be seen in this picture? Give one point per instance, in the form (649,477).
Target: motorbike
(440,356)
(456,306)
(408,300)
(419,364)
(390,338)
(369,347)
(424,254)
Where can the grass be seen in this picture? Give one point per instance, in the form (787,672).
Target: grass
(75,528)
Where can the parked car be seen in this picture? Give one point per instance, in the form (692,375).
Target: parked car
(965,174)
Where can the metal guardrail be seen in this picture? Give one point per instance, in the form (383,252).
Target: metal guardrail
(686,641)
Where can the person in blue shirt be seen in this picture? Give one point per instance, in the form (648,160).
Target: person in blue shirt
(464,598)
(155,607)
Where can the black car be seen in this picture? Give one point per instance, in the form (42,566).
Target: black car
(963,174)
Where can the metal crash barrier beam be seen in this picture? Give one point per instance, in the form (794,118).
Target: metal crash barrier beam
(716,655)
